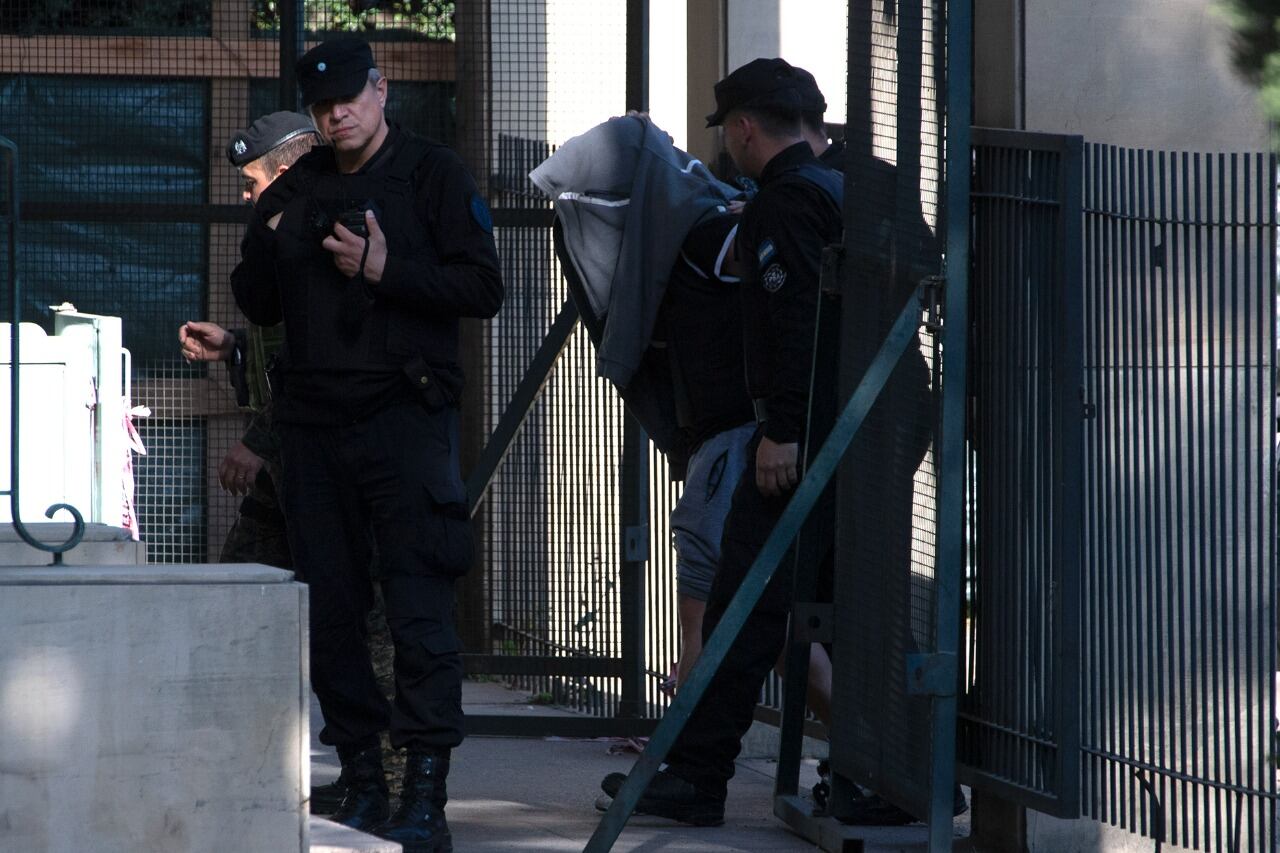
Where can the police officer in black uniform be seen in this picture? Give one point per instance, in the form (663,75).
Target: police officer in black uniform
(784,229)
(261,153)
(382,243)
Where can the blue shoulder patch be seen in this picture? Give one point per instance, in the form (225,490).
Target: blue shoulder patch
(480,213)
(765,253)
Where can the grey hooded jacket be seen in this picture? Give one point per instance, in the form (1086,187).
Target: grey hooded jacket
(626,197)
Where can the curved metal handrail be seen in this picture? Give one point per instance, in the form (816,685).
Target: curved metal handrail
(15,307)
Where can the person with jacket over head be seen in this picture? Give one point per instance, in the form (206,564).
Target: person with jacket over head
(796,212)
(381,244)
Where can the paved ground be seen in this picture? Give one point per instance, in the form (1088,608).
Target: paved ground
(522,794)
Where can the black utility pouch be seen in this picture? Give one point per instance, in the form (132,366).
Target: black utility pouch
(439,385)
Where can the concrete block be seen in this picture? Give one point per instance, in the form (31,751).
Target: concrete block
(102,545)
(153,708)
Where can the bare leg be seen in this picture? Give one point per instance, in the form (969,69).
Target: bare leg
(818,691)
(691,611)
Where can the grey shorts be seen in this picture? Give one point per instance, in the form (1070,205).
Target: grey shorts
(698,519)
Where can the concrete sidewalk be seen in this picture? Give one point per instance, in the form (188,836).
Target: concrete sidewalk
(524,794)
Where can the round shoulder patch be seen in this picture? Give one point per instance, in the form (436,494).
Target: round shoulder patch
(480,213)
(773,278)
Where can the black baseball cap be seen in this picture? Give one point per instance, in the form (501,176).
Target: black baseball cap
(268,132)
(760,83)
(811,100)
(338,68)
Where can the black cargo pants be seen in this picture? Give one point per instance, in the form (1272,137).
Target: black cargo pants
(394,474)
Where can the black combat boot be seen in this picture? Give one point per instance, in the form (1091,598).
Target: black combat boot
(365,804)
(326,798)
(419,825)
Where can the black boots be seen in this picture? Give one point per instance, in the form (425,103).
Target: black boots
(325,799)
(365,804)
(418,824)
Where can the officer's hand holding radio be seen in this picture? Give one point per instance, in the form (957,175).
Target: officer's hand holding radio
(354,254)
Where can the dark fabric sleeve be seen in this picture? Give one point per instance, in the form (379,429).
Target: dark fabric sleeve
(461,277)
(785,313)
(253,281)
(236,367)
(260,437)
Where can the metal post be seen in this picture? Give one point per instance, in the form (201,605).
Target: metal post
(634,474)
(292,30)
(951,466)
(10,217)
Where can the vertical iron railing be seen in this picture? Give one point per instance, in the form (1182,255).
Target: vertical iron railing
(1019,717)
(9,216)
(567,484)
(1179,460)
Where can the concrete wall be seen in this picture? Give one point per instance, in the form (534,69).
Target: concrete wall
(1143,73)
(150,709)
(810,33)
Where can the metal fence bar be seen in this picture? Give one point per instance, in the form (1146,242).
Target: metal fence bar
(951,438)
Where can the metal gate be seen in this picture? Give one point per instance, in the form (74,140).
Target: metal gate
(1150,703)
(1179,473)
(1019,725)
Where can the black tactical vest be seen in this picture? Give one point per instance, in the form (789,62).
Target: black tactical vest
(334,322)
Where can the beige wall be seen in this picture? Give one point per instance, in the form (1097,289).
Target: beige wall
(1142,73)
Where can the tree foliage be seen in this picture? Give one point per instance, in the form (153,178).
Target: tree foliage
(1255,46)
(424,18)
(39,16)
(428,18)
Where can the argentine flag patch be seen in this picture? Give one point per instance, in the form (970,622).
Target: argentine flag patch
(765,253)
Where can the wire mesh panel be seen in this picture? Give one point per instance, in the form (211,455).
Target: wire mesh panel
(122,109)
(886,533)
(1179,611)
(1019,719)
(116,149)
(553,517)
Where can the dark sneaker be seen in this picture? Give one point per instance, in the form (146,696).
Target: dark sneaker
(604,801)
(671,797)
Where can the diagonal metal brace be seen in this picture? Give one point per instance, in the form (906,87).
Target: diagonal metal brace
(757,578)
(481,476)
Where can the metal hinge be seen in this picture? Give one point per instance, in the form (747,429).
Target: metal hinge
(811,623)
(931,675)
(635,543)
(932,295)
